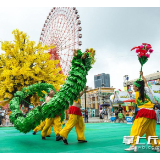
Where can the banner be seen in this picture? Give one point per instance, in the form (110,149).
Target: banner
(121,96)
(153,82)
(155,90)
(129,120)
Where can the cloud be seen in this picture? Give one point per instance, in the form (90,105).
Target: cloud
(112,32)
(27,19)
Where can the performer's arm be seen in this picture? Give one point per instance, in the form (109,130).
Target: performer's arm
(145,81)
(83,56)
(46,99)
(83,110)
(81,93)
(146,85)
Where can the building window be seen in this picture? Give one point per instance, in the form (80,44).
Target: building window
(98,77)
(93,98)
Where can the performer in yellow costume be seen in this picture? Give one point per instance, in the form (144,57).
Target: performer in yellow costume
(145,120)
(40,128)
(56,122)
(75,120)
(42,124)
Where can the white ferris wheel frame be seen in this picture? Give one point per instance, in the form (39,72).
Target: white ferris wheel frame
(62,28)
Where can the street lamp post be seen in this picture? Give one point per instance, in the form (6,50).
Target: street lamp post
(85,105)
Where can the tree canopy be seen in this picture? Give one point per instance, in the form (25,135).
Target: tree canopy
(23,62)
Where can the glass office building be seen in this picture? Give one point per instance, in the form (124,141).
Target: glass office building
(102,80)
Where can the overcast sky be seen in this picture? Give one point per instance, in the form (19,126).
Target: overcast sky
(112,32)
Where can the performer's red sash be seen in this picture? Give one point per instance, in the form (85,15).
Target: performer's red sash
(75,110)
(151,114)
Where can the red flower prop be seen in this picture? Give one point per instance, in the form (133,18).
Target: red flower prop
(143,52)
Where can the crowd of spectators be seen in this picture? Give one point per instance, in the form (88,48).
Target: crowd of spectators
(4,117)
(121,115)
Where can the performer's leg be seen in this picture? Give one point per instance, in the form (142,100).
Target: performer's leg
(139,128)
(80,127)
(69,125)
(39,127)
(42,125)
(48,124)
(49,131)
(57,125)
(151,131)
(36,129)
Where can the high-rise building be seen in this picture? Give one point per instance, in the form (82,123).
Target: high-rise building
(102,80)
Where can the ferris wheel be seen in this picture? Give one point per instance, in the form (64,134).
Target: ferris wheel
(62,28)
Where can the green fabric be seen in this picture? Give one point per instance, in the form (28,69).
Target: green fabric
(140,103)
(136,84)
(146,100)
(110,138)
(74,84)
(49,89)
(142,61)
(41,100)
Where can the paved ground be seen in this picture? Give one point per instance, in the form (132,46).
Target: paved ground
(98,120)
(90,120)
(101,137)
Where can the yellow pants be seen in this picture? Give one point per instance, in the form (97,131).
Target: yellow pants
(77,121)
(40,127)
(143,126)
(57,126)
